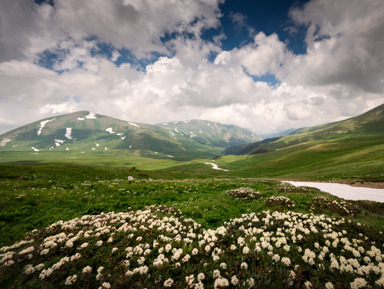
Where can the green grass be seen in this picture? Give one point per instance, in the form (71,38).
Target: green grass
(349,159)
(38,189)
(140,159)
(35,196)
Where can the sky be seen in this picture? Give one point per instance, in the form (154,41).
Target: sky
(265,65)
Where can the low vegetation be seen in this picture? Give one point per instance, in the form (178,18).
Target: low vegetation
(89,227)
(341,207)
(245,193)
(280,202)
(157,247)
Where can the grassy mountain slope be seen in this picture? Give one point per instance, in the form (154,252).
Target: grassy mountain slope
(365,125)
(90,132)
(352,149)
(87,131)
(369,123)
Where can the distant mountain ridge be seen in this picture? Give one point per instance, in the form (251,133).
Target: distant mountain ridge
(368,124)
(211,133)
(88,131)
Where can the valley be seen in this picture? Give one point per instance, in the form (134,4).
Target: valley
(146,211)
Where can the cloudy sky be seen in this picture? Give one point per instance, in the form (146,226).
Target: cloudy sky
(267,65)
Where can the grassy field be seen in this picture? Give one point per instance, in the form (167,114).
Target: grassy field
(208,218)
(143,160)
(140,219)
(345,160)
(336,160)
(34,197)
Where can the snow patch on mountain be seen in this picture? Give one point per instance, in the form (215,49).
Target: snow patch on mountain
(42,124)
(4,141)
(91,115)
(59,142)
(68,133)
(131,123)
(110,130)
(172,135)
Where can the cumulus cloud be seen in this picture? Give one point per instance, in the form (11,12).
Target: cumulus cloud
(345,45)
(266,55)
(138,25)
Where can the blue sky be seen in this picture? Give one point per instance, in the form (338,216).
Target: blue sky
(264,65)
(268,16)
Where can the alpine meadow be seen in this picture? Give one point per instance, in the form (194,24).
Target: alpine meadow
(74,213)
(191,144)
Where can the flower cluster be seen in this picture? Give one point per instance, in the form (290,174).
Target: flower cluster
(245,193)
(280,202)
(344,208)
(157,247)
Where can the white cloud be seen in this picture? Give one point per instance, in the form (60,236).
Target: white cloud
(345,45)
(265,55)
(28,28)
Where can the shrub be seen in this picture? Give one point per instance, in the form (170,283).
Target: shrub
(341,207)
(280,201)
(245,193)
(288,188)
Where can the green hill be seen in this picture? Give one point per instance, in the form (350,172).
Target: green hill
(86,131)
(369,124)
(352,149)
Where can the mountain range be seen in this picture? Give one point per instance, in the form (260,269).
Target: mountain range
(88,131)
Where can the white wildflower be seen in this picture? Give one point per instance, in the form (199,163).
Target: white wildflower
(168,282)
(70,280)
(234,280)
(87,269)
